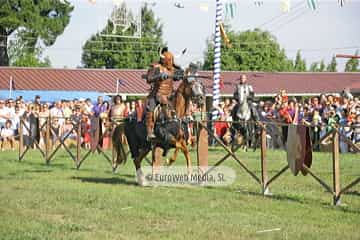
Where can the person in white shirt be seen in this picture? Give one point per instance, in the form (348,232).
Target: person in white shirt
(4,114)
(88,106)
(15,119)
(7,134)
(57,112)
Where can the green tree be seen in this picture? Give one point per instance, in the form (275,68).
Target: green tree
(352,65)
(314,67)
(322,66)
(101,51)
(22,56)
(299,64)
(37,20)
(250,51)
(332,65)
(317,66)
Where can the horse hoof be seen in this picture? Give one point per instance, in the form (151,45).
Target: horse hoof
(141,180)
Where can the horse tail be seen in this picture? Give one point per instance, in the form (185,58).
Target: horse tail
(117,140)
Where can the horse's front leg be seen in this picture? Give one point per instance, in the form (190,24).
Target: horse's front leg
(186,152)
(157,153)
(173,158)
(137,162)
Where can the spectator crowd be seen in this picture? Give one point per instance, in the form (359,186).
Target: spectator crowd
(65,116)
(320,113)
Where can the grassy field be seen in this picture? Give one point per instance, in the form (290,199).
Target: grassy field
(58,202)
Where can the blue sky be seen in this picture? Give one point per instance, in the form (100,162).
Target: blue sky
(319,34)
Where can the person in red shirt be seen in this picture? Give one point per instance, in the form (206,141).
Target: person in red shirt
(221,127)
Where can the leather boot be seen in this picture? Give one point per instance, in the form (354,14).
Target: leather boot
(150,125)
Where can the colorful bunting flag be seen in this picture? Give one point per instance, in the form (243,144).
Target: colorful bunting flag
(230,9)
(312,4)
(341,2)
(224,35)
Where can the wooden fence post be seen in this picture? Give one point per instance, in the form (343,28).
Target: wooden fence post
(336,168)
(47,139)
(202,142)
(78,145)
(21,139)
(264,174)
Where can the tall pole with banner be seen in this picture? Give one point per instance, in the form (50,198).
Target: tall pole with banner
(203,138)
(217,58)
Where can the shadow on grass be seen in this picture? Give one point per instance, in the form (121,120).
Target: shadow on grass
(354,193)
(38,171)
(112,180)
(43,164)
(279,197)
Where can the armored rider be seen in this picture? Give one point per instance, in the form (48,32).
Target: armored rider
(161,76)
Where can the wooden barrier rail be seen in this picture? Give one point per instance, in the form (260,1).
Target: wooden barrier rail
(203,131)
(336,191)
(49,154)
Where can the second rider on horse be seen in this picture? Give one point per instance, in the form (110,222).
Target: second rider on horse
(245,92)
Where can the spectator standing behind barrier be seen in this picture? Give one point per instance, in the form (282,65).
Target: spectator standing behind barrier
(57,112)
(25,130)
(316,128)
(21,106)
(88,106)
(43,117)
(37,100)
(55,132)
(286,118)
(66,109)
(356,130)
(7,134)
(221,127)
(85,131)
(10,104)
(34,123)
(15,120)
(99,107)
(4,113)
(68,134)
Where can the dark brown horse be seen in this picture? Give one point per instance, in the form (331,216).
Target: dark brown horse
(171,131)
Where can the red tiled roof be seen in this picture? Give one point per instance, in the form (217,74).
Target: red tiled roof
(104,80)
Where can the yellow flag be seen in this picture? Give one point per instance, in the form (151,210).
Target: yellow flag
(224,36)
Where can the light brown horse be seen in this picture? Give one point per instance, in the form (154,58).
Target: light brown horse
(190,89)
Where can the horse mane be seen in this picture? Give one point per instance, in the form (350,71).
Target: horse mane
(181,100)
